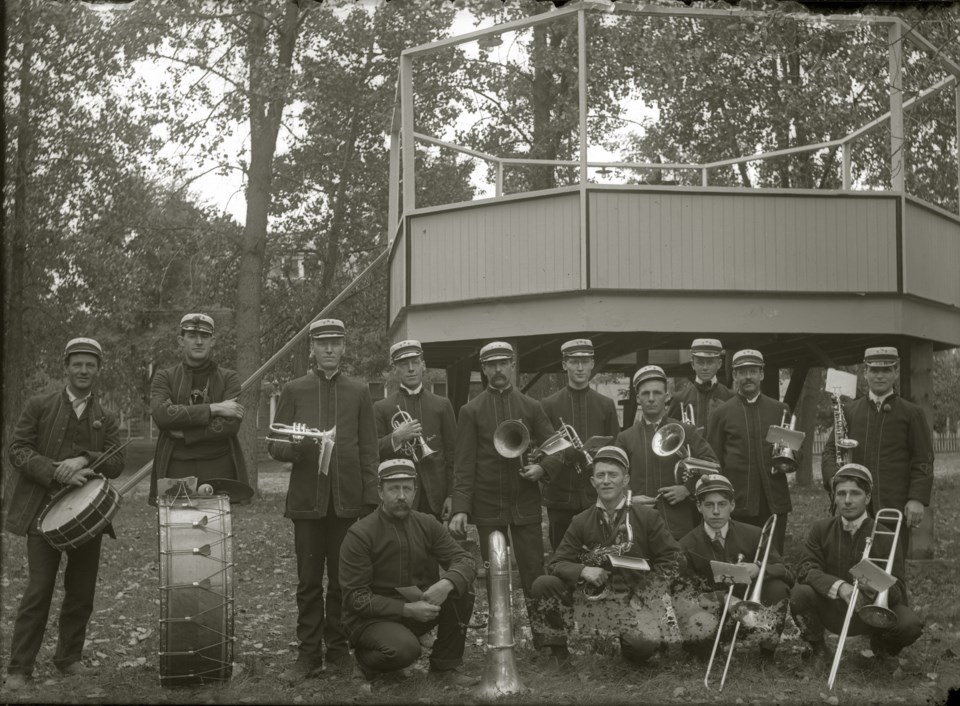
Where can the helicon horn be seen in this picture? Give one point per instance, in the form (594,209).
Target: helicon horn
(511,438)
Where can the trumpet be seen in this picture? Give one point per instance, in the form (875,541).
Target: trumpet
(785,446)
(298,432)
(668,441)
(415,448)
(878,614)
(745,611)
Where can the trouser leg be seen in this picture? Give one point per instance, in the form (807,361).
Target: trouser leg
(310,549)
(559,521)
(906,631)
(43,561)
(334,634)
(387,647)
(554,601)
(452,631)
(80,586)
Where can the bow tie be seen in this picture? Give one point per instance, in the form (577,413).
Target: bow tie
(703,386)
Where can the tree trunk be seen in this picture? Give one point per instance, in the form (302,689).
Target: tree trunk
(15,247)
(267,101)
(807,423)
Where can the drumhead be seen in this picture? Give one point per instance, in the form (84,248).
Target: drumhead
(66,506)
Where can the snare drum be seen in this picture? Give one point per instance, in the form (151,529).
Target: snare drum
(78,514)
(196,590)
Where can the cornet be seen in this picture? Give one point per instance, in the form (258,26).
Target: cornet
(415,448)
(298,432)
(570,434)
(668,441)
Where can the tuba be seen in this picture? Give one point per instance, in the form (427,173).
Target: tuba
(668,441)
(500,676)
(417,448)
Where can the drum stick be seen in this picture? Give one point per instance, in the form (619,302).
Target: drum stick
(254,378)
(107,455)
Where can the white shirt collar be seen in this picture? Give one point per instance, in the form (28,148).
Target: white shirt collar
(711,382)
(711,533)
(412,392)
(620,504)
(854,524)
(751,400)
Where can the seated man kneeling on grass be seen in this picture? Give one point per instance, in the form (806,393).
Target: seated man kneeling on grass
(628,602)
(834,545)
(720,539)
(391,594)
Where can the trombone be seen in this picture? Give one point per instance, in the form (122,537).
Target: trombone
(746,610)
(786,443)
(866,573)
(416,448)
(668,441)
(297,432)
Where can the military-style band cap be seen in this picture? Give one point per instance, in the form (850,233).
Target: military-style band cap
(850,471)
(405,349)
(648,372)
(82,345)
(577,348)
(748,356)
(882,357)
(327,328)
(498,350)
(613,454)
(713,483)
(397,469)
(196,322)
(706,347)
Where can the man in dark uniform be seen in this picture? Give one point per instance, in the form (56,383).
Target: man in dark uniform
(834,545)
(431,419)
(738,433)
(195,406)
(893,442)
(324,501)
(391,593)
(57,438)
(626,602)
(718,538)
(590,413)
(498,493)
(705,393)
(652,477)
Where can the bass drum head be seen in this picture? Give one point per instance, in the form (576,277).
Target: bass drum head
(196,590)
(77,515)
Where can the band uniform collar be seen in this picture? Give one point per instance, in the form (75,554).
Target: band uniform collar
(411,393)
(880,400)
(752,400)
(603,508)
(656,424)
(502,392)
(708,385)
(329,378)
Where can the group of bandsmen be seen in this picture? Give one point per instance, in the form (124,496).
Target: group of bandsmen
(376,529)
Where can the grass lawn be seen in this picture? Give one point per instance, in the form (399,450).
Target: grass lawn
(124,639)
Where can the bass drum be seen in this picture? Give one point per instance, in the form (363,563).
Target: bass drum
(76,515)
(196,590)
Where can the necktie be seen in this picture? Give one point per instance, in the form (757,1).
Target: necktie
(79,405)
(717,544)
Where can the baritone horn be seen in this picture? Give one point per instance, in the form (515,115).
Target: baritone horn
(500,676)
(668,441)
(416,448)
(786,444)
(511,438)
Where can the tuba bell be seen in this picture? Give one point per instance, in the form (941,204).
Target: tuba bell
(511,438)
(500,676)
